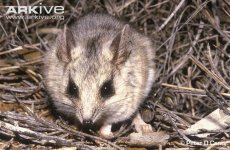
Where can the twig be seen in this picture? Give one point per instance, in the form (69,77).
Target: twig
(190,89)
(172,14)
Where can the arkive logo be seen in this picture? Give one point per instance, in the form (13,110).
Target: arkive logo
(35,10)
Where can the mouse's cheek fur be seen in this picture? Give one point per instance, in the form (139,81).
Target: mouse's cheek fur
(118,109)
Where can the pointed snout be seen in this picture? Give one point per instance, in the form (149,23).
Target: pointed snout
(87,117)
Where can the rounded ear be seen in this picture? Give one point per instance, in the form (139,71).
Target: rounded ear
(121,45)
(64,43)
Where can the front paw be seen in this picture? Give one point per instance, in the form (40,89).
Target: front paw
(141,126)
(106,132)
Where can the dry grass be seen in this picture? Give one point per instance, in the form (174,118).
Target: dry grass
(193,60)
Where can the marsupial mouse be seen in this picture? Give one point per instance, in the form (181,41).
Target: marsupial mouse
(99,71)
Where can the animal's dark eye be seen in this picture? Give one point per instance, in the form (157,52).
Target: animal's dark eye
(72,89)
(107,89)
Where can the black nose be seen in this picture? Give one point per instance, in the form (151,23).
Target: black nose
(87,122)
(88,125)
